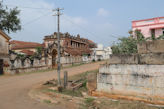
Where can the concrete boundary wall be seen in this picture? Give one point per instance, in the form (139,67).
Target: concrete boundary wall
(150,59)
(25,70)
(156,46)
(140,81)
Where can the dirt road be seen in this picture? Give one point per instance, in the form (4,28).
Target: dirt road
(14,89)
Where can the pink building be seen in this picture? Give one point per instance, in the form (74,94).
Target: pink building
(149,26)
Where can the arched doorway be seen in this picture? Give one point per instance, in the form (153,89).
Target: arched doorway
(54,54)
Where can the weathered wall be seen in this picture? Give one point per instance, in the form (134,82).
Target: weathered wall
(149,59)
(124,59)
(142,81)
(70,60)
(18,65)
(156,46)
(74,60)
(3,45)
(134,77)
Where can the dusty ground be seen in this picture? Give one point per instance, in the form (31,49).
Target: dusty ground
(78,99)
(14,89)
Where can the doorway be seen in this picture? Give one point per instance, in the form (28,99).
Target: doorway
(1,66)
(54,54)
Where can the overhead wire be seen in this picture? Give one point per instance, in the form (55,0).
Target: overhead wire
(91,33)
(36,19)
(28,7)
(48,9)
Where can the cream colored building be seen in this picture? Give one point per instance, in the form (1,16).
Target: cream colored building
(4,51)
(101,53)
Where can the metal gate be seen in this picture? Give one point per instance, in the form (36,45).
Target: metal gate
(1,66)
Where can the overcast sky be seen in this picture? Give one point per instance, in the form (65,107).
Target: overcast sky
(98,20)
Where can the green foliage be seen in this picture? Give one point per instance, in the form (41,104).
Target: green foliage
(160,37)
(153,37)
(93,60)
(47,101)
(156,38)
(127,45)
(85,54)
(89,101)
(38,53)
(9,20)
(39,50)
(139,35)
(21,56)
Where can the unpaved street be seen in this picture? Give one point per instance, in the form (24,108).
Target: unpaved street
(14,89)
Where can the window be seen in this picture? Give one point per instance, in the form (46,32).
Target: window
(163,31)
(71,43)
(153,32)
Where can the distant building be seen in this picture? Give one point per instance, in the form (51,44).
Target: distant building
(22,47)
(71,46)
(74,50)
(149,27)
(101,53)
(4,51)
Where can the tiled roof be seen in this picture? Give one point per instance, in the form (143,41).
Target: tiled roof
(22,45)
(27,52)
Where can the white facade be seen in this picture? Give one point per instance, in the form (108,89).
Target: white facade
(101,53)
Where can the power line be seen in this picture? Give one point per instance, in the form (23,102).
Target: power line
(29,7)
(79,26)
(64,16)
(36,19)
(91,33)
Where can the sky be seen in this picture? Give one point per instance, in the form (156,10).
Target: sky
(102,21)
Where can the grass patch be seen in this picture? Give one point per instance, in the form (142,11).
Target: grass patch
(47,101)
(82,79)
(88,101)
(76,93)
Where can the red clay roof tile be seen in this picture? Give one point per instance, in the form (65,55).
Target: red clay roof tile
(22,45)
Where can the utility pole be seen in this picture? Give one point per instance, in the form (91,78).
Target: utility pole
(58,38)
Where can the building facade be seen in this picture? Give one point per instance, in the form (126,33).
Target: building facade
(71,45)
(4,51)
(73,48)
(149,27)
(101,52)
(24,56)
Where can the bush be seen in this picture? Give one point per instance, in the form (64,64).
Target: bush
(93,60)
(126,45)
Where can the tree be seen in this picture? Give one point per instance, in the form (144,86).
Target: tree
(126,45)
(39,50)
(139,35)
(9,21)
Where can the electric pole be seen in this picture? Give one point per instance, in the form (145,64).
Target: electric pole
(58,38)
